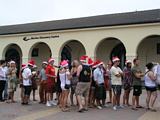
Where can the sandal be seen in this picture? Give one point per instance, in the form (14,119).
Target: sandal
(65,110)
(139,106)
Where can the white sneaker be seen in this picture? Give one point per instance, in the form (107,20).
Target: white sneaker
(114,108)
(99,107)
(48,104)
(53,103)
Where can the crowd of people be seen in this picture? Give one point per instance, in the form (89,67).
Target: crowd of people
(85,83)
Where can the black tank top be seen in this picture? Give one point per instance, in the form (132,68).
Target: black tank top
(85,74)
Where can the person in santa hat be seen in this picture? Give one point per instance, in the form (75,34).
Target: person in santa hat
(127,82)
(12,83)
(84,73)
(50,73)
(27,82)
(65,78)
(116,79)
(100,88)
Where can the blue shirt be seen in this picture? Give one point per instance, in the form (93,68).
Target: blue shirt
(42,74)
(98,75)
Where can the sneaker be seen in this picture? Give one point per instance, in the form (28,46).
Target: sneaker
(114,108)
(48,104)
(53,103)
(120,107)
(99,107)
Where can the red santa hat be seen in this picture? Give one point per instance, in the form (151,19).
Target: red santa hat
(44,62)
(90,61)
(23,66)
(51,59)
(128,61)
(64,63)
(84,59)
(99,63)
(114,59)
(31,63)
(94,65)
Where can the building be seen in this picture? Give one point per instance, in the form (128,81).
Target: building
(126,35)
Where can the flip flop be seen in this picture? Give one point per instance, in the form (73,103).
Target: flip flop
(81,110)
(65,110)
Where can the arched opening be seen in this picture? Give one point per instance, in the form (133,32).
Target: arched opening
(13,52)
(72,50)
(40,52)
(109,48)
(148,50)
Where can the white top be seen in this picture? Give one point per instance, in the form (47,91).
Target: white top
(64,79)
(157,73)
(26,74)
(3,73)
(99,75)
(148,82)
(116,80)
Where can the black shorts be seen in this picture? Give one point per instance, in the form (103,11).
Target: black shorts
(151,89)
(117,89)
(137,90)
(27,90)
(100,92)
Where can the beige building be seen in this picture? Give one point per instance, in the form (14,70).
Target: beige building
(126,35)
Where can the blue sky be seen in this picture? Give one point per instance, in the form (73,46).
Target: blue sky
(27,11)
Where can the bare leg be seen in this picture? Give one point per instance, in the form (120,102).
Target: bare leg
(79,102)
(148,99)
(71,98)
(124,97)
(153,99)
(110,95)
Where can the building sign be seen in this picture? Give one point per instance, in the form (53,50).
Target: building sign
(39,37)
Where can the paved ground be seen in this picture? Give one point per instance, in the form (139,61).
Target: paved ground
(35,111)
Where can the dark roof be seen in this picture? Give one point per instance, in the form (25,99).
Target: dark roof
(138,17)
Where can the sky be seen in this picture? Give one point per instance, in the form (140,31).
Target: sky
(28,11)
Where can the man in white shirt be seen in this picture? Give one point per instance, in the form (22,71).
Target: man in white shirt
(116,78)
(27,83)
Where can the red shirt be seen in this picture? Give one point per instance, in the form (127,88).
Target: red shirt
(50,70)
